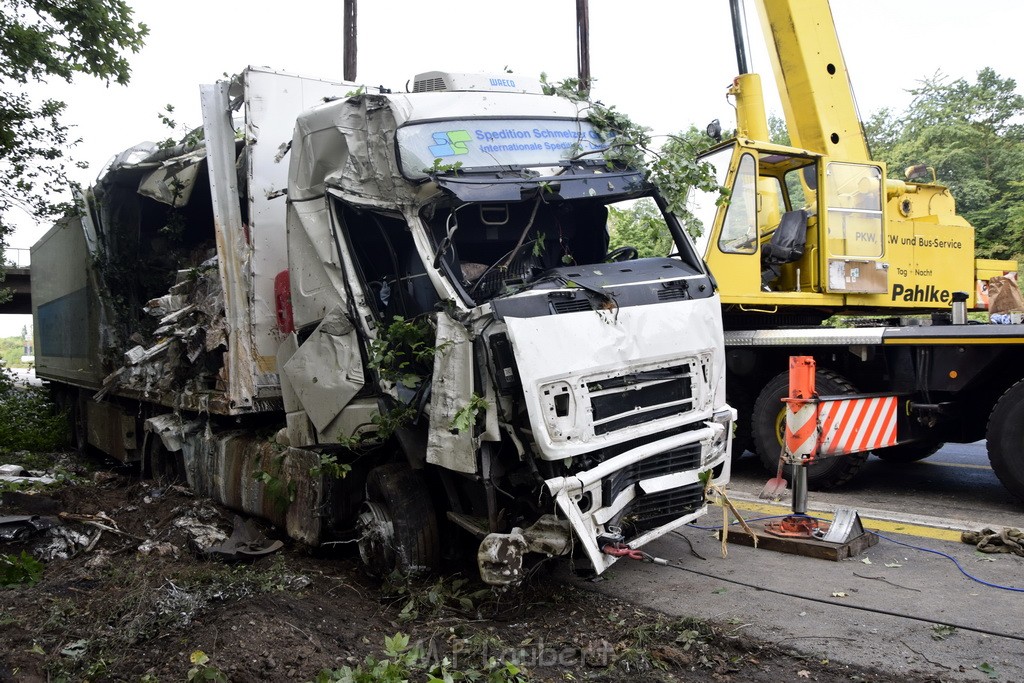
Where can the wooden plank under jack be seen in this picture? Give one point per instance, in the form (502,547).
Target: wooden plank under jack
(808,547)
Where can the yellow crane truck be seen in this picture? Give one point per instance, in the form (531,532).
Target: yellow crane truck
(817,229)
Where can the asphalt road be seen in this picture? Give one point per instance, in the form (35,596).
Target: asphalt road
(956,485)
(901,605)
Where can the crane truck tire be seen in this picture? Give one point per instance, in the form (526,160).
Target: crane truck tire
(768,425)
(398,526)
(909,452)
(1006,439)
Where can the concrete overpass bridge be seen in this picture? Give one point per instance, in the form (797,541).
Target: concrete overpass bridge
(18,281)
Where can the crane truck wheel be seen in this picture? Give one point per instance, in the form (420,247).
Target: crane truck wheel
(768,423)
(398,526)
(1006,439)
(909,452)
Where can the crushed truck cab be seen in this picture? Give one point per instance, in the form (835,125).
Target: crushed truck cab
(457,352)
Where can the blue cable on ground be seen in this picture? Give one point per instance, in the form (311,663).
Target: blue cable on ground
(951,559)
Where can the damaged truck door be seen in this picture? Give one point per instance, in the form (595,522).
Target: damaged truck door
(447,345)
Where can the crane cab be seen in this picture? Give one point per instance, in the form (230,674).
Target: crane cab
(801,230)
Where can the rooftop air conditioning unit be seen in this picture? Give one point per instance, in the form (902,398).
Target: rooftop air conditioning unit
(443,81)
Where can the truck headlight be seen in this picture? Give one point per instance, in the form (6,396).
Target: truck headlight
(721,422)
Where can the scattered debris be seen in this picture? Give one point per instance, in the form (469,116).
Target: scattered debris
(100,520)
(1009,540)
(202,533)
(19,527)
(160,548)
(19,475)
(62,544)
(246,541)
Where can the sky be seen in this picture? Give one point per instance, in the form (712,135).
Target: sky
(665,63)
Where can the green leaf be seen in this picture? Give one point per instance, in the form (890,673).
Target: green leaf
(987,668)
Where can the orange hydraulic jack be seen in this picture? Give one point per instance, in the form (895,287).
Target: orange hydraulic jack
(804,439)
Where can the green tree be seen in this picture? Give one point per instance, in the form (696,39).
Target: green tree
(641,226)
(40,41)
(972,134)
(674,169)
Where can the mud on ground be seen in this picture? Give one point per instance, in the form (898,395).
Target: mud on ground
(127,596)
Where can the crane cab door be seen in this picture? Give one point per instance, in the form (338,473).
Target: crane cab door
(853,223)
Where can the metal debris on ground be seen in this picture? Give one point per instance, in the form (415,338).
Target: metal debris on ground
(19,527)
(246,541)
(197,523)
(160,548)
(62,544)
(19,475)
(1009,540)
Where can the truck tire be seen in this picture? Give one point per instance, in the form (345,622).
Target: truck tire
(398,525)
(909,452)
(768,425)
(1006,439)
(160,464)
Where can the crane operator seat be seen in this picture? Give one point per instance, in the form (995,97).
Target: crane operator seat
(785,246)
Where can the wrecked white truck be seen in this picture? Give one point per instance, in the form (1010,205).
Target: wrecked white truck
(402,326)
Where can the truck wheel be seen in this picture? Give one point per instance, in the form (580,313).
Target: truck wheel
(909,452)
(768,423)
(1006,439)
(160,464)
(398,526)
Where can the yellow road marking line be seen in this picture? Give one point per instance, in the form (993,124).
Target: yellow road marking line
(870,523)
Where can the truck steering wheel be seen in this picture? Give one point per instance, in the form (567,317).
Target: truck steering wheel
(623,253)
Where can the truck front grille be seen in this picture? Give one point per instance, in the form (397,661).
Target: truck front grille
(620,402)
(683,459)
(649,511)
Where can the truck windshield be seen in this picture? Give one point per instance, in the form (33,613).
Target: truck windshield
(495,248)
(490,143)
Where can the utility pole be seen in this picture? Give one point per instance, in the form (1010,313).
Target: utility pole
(349,38)
(583,45)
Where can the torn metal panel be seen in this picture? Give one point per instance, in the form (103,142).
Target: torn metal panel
(315,276)
(183,368)
(172,430)
(246,541)
(271,100)
(451,390)
(173,182)
(355,418)
(233,249)
(349,144)
(326,372)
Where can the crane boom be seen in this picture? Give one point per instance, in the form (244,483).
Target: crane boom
(811,74)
